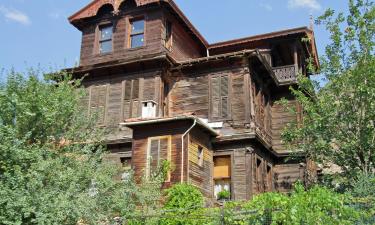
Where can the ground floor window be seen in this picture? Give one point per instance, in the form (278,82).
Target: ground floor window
(222,177)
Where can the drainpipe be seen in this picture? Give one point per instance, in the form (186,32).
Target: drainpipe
(182,147)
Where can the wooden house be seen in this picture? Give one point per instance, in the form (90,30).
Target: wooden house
(165,93)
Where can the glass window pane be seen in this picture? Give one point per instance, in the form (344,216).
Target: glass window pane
(106,46)
(106,33)
(137,40)
(138,26)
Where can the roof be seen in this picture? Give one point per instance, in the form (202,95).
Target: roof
(93,7)
(305,31)
(141,122)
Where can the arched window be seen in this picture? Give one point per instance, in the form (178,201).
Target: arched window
(127,4)
(106,9)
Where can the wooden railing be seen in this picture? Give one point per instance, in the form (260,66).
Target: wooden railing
(286,74)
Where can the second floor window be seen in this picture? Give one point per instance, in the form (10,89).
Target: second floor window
(131,101)
(98,102)
(137,34)
(105,41)
(219,97)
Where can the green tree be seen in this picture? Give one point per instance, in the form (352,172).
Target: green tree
(51,158)
(339,119)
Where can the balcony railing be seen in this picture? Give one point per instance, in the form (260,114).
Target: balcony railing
(286,74)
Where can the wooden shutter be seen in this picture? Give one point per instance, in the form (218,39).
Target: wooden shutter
(131,101)
(224,96)
(98,101)
(158,151)
(220,107)
(154,155)
(215,97)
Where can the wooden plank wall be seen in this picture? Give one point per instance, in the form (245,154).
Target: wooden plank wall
(184,47)
(153,28)
(140,142)
(149,90)
(286,175)
(190,94)
(200,176)
(280,118)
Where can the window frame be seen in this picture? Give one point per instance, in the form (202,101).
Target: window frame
(212,118)
(230,178)
(99,40)
(131,34)
(148,154)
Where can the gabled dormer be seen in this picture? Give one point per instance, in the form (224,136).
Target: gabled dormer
(128,30)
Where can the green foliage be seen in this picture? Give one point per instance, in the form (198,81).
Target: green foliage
(184,203)
(51,162)
(223,195)
(315,206)
(339,125)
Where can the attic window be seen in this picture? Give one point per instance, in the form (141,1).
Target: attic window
(105,41)
(137,37)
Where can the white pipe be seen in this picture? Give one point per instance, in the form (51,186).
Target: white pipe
(182,149)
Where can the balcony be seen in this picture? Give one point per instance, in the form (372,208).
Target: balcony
(286,74)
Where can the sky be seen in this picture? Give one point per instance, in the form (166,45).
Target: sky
(36,33)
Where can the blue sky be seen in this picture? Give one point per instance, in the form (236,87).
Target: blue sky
(36,32)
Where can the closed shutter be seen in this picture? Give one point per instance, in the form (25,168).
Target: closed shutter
(98,102)
(158,152)
(131,101)
(220,105)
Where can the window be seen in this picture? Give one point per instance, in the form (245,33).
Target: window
(269,178)
(168,35)
(219,97)
(157,152)
(126,163)
(98,100)
(200,156)
(131,101)
(222,174)
(137,38)
(259,176)
(105,41)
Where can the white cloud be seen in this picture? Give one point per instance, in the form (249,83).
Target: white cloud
(15,15)
(266,6)
(310,4)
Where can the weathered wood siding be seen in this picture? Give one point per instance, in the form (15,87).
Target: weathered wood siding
(183,45)
(140,145)
(286,175)
(121,50)
(191,94)
(280,119)
(201,175)
(113,98)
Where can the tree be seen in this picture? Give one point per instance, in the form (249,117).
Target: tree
(339,118)
(52,167)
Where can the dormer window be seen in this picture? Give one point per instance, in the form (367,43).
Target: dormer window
(105,41)
(137,37)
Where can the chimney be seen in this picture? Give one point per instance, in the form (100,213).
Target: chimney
(149,109)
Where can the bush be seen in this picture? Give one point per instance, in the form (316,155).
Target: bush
(184,204)
(315,206)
